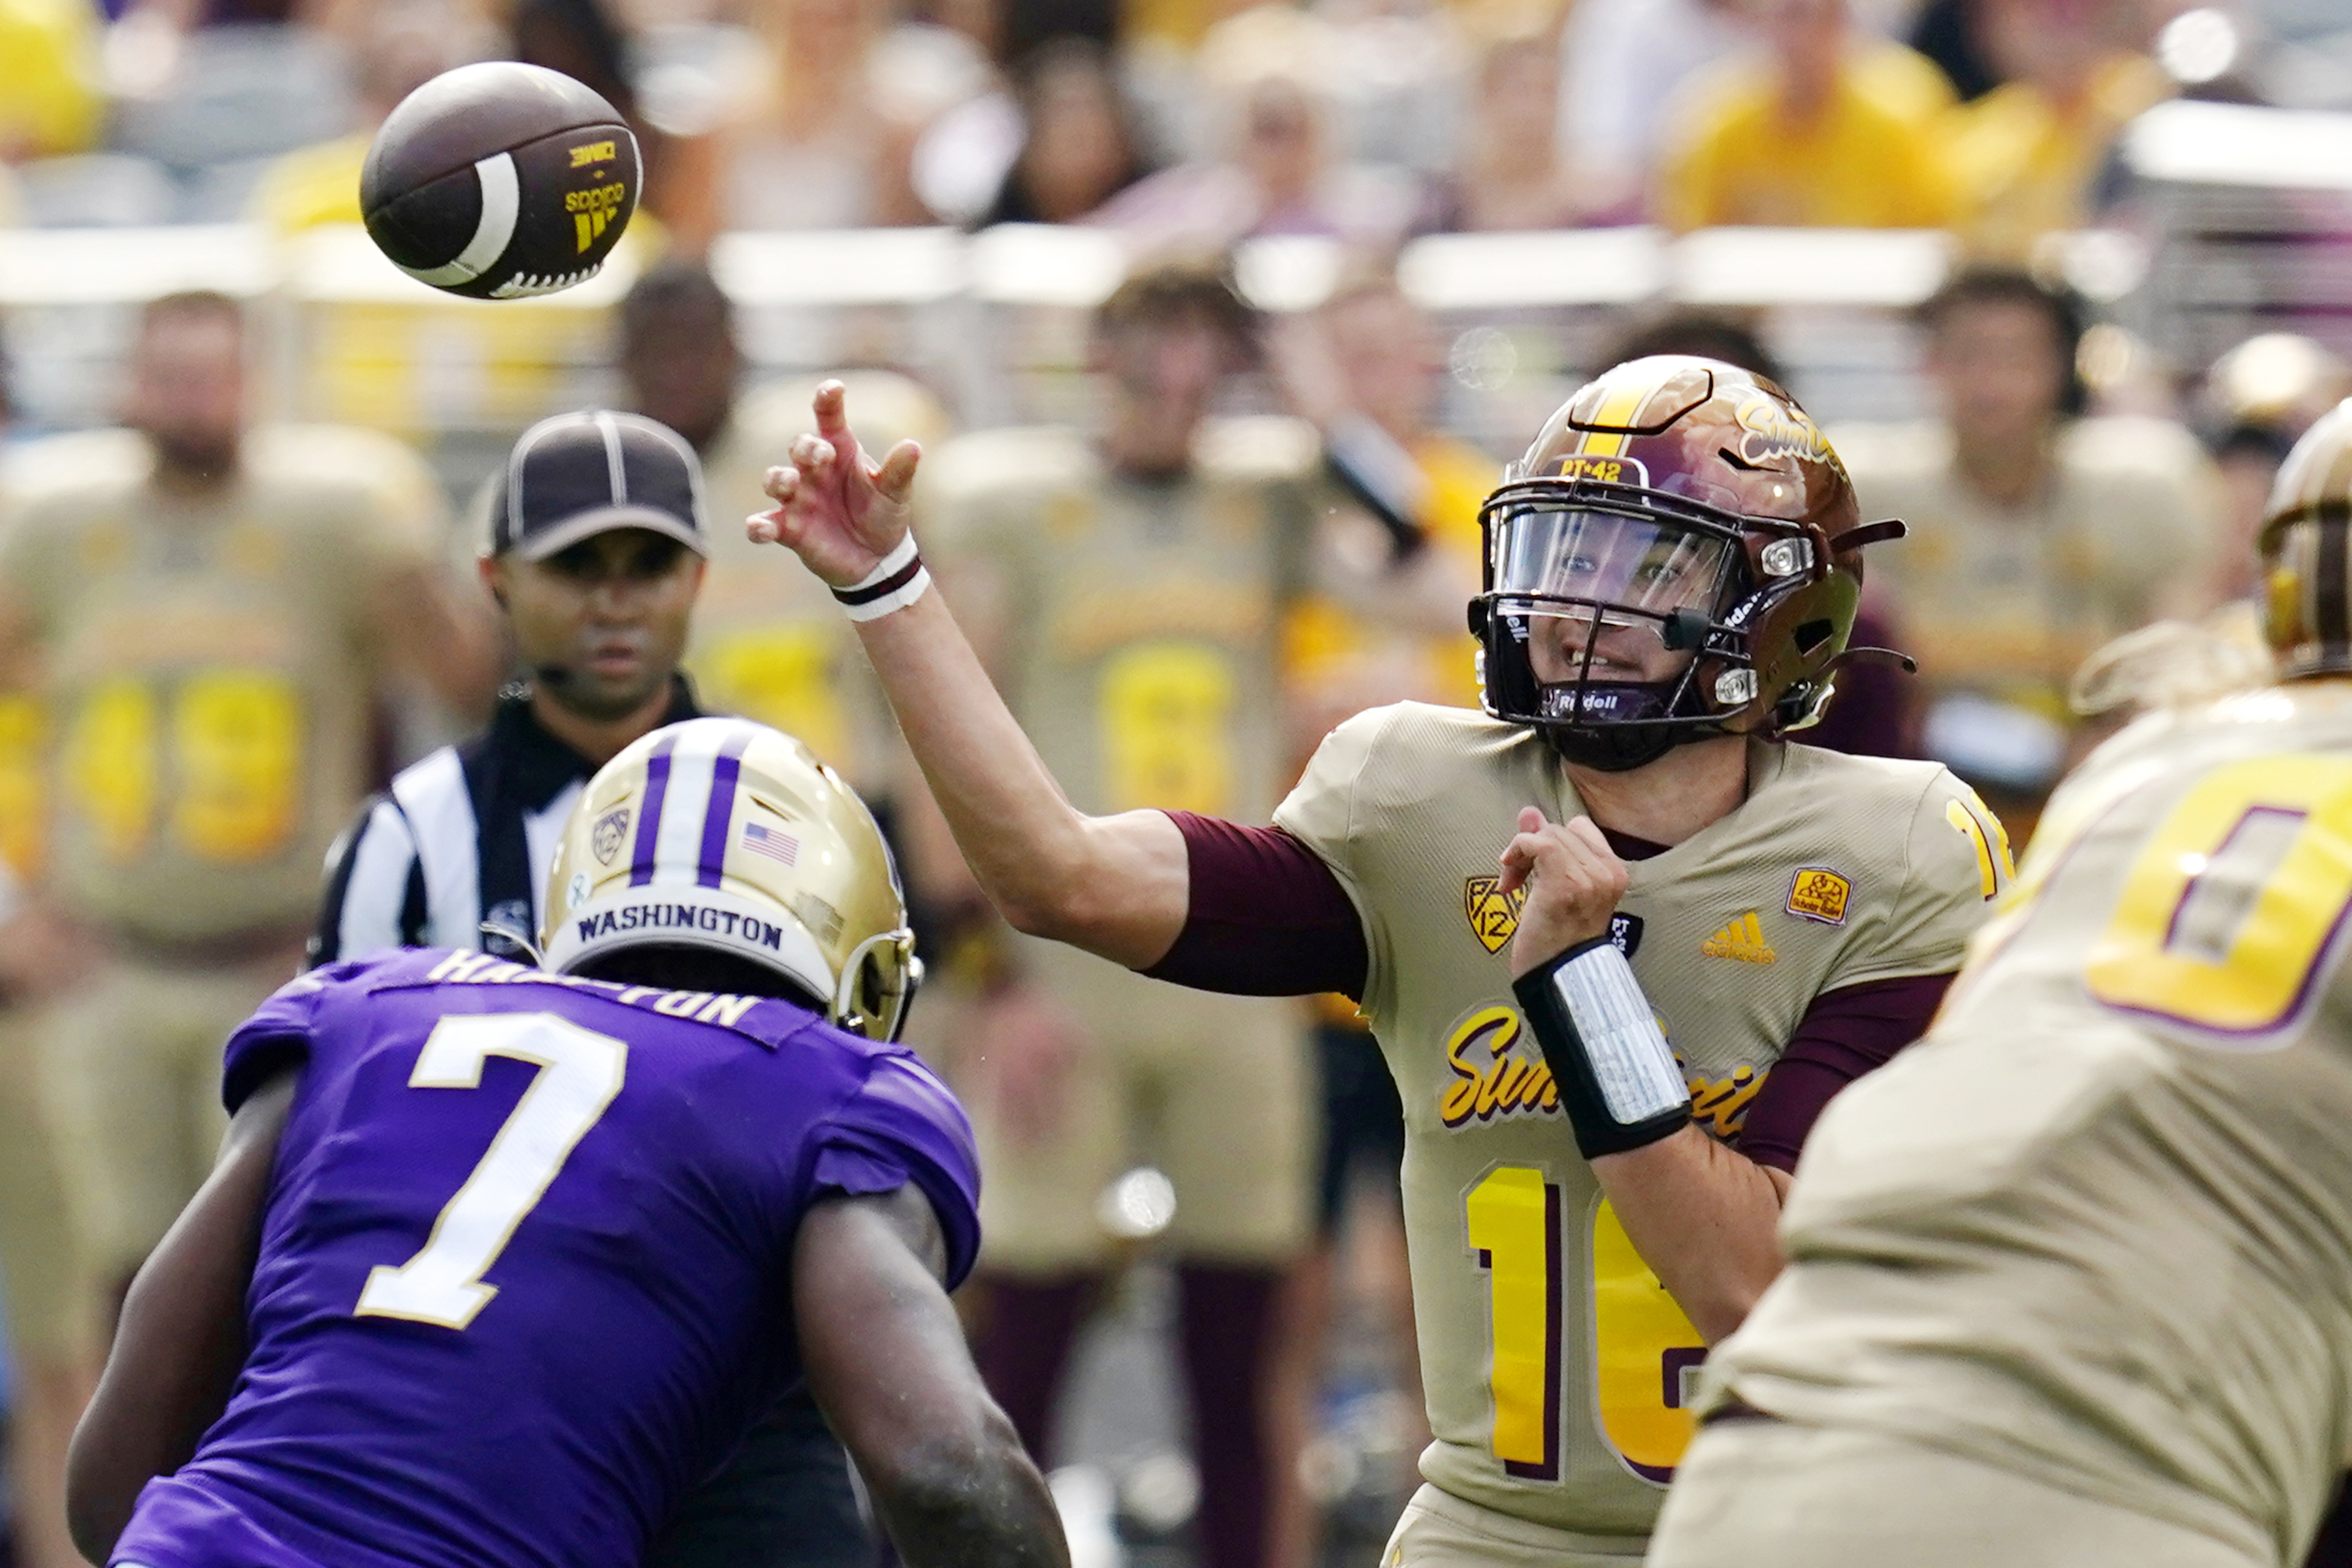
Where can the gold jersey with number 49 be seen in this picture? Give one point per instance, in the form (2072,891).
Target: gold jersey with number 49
(2114,1184)
(1558,1371)
(207,665)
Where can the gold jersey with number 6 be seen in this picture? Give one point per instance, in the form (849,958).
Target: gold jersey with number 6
(1138,626)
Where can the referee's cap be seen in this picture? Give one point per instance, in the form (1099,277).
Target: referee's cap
(574,476)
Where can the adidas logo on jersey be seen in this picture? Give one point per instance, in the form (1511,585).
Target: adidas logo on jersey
(1743,939)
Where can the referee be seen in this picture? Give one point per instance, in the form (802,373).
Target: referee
(595,553)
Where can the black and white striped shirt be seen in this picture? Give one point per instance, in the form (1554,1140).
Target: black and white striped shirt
(463,837)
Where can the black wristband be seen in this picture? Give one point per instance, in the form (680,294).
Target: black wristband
(1598,1133)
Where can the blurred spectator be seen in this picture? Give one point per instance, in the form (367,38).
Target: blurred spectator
(828,139)
(1080,145)
(51,96)
(2037,535)
(1821,131)
(2027,154)
(1510,174)
(1622,64)
(1875,713)
(402,45)
(1279,175)
(206,612)
(768,641)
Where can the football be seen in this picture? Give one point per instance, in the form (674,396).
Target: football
(500,180)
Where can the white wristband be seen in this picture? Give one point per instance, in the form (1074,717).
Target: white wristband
(896,583)
(898,598)
(1631,1062)
(900,557)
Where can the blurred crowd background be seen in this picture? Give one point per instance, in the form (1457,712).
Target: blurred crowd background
(2063,280)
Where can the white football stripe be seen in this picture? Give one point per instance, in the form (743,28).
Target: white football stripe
(501,205)
(677,848)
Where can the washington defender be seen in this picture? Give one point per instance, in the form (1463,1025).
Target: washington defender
(2073,1283)
(498,1261)
(1672,573)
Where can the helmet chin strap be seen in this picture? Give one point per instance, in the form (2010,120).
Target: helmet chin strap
(1613,748)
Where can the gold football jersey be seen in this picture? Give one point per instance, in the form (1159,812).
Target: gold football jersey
(2098,1227)
(1142,620)
(1558,1371)
(206,668)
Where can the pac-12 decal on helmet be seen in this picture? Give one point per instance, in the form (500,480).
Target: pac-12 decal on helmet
(705,809)
(2307,549)
(1676,556)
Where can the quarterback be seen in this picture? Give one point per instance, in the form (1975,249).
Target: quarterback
(1672,571)
(2073,1284)
(498,1261)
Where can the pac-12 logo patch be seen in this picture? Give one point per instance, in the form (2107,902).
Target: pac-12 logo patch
(1494,914)
(605,839)
(1820,894)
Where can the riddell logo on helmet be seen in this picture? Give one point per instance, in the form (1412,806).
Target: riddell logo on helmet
(1772,430)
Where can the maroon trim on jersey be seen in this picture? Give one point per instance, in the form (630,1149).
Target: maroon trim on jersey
(1843,1034)
(1268,918)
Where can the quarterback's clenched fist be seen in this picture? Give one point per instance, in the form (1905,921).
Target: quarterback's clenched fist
(839,511)
(1573,880)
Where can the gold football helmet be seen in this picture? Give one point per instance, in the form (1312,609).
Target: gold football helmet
(726,835)
(2306,564)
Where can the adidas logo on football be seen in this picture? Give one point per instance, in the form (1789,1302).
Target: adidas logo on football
(1743,939)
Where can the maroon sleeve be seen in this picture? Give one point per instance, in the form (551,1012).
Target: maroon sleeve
(1266,917)
(1843,1034)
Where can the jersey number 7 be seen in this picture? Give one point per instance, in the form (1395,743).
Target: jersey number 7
(579,1073)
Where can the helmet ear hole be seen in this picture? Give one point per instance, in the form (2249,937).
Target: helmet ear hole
(1813,634)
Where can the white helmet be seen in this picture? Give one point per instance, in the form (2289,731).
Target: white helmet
(728,836)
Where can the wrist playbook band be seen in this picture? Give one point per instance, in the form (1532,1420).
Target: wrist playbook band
(1617,1076)
(897,582)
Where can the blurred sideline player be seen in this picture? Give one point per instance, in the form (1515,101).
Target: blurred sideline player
(2073,1284)
(206,613)
(1675,571)
(2037,531)
(768,642)
(1364,367)
(598,591)
(1129,588)
(498,1261)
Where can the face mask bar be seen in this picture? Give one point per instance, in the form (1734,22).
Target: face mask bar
(878,982)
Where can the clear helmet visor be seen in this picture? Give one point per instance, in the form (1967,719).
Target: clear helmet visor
(1596,591)
(1643,565)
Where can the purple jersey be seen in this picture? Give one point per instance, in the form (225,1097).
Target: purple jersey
(524,1274)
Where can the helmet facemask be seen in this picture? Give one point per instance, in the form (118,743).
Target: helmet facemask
(1613,620)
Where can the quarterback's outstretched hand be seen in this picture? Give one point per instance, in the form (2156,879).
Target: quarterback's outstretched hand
(1573,880)
(835,508)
